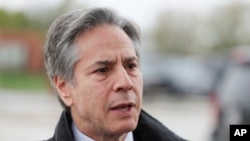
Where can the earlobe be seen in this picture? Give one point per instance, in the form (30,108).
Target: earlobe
(64,90)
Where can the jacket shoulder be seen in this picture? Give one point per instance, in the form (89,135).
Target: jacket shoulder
(149,128)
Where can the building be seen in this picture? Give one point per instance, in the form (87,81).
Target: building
(21,51)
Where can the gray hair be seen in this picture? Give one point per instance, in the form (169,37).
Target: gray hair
(61,54)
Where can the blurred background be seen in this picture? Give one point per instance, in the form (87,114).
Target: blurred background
(195,64)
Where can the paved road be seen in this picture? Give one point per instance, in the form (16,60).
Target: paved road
(31,116)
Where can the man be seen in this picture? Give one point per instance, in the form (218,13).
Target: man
(92,60)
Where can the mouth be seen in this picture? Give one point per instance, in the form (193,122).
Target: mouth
(124,107)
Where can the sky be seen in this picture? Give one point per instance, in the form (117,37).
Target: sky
(143,12)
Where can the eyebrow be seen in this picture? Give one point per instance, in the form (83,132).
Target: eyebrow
(105,62)
(102,63)
(112,62)
(130,59)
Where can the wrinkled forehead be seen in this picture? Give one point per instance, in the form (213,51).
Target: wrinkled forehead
(104,36)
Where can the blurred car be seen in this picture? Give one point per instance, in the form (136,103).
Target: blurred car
(186,76)
(230,96)
(152,77)
(173,74)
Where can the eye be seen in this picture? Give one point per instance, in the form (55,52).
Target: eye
(102,70)
(132,66)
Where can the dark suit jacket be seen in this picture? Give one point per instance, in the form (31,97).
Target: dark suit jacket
(148,129)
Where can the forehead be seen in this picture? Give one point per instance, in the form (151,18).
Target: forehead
(106,42)
(103,34)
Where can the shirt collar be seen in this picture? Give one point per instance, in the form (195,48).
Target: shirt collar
(79,136)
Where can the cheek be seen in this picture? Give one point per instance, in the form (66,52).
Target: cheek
(93,95)
(139,84)
(139,89)
(85,101)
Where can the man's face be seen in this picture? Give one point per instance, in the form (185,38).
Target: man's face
(107,96)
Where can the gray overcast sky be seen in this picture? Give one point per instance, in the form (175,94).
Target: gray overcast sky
(143,12)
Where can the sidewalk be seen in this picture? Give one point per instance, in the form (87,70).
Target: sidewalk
(26,116)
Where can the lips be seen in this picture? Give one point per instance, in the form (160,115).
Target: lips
(123,107)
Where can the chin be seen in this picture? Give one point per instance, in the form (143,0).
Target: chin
(126,126)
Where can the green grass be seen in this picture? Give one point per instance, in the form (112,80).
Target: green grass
(24,81)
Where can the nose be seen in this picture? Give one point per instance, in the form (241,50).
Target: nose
(122,81)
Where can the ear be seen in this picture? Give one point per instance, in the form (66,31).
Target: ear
(64,90)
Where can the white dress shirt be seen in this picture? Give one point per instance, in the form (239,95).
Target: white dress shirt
(79,136)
